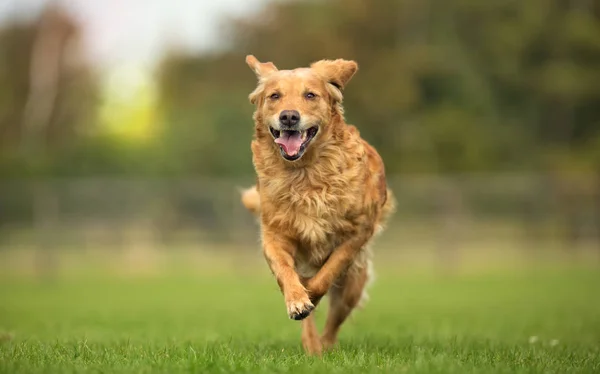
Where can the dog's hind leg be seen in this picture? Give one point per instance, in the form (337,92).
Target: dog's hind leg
(344,296)
(310,336)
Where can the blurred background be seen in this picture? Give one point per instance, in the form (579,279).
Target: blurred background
(125,127)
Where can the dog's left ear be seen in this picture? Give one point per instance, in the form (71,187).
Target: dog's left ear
(337,72)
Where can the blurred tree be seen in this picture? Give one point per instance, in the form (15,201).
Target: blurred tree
(14,60)
(444,85)
(207,127)
(48,91)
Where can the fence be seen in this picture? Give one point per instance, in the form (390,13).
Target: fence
(531,212)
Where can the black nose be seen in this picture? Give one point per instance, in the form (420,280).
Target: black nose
(289,118)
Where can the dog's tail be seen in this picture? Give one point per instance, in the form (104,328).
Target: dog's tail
(251,199)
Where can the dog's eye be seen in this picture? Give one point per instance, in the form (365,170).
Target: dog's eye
(274,96)
(310,95)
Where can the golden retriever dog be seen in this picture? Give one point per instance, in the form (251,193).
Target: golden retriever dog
(321,192)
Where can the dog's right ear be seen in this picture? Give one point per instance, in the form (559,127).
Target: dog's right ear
(261,69)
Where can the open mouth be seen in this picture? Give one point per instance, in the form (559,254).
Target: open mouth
(293,143)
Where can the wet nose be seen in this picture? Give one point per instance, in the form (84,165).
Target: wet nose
(289,118)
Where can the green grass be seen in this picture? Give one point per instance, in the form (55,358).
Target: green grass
(223,323)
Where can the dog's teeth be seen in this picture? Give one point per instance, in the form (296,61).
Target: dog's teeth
(303,135)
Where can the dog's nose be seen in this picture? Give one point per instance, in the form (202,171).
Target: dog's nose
(289,118)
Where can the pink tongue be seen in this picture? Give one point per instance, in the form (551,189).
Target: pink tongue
(290,141)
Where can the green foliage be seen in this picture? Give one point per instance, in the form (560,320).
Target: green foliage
(207,117)
(444,86)
(14,62)
(65,97)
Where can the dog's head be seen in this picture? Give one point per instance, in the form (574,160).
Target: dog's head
(296,106)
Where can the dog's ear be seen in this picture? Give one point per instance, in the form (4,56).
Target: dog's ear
(336,72)
(261,69)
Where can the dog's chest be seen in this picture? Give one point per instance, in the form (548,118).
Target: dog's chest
(315,206)
(312,214)
(318,218)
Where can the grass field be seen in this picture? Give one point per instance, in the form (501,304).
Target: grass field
(547,321)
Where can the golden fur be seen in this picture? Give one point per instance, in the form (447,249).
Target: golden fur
(319,213)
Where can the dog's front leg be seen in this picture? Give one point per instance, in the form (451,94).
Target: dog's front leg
(279,253)
(339,261)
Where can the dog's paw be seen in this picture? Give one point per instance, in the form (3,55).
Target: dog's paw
(299,309)
(312,347)
(328,343)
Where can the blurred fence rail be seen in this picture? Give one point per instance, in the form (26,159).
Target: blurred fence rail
(529,211)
